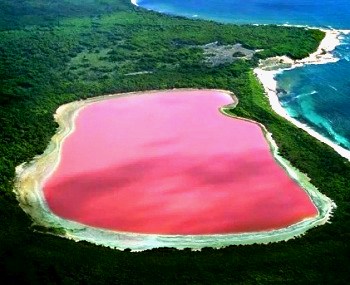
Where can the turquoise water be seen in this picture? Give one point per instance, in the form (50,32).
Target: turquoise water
(318,95)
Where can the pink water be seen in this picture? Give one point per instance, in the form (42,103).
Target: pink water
(171,163)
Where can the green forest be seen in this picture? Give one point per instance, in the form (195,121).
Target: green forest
(56,51)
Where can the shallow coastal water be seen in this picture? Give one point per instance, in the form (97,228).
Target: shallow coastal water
(178,170)
(318,95)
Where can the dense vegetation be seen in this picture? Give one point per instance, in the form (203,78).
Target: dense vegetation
(53,52)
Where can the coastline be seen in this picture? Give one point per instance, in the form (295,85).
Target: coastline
(31,176)
(323,55)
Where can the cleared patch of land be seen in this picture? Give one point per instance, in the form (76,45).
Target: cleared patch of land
(216,54)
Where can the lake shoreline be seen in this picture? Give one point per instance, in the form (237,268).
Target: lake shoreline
(32,175)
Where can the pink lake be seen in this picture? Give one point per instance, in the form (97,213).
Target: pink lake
(171,163)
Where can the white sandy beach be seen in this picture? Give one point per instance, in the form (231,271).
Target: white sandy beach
(323,55)
(134,2)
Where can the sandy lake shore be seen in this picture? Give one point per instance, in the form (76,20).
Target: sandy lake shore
(31,176)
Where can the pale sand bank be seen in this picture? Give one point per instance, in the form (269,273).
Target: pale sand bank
(323,55)
(31,176)
(134,2)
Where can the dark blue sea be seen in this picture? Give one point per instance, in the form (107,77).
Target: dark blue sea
(318,95)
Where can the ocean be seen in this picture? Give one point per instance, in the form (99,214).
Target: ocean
(318,95)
